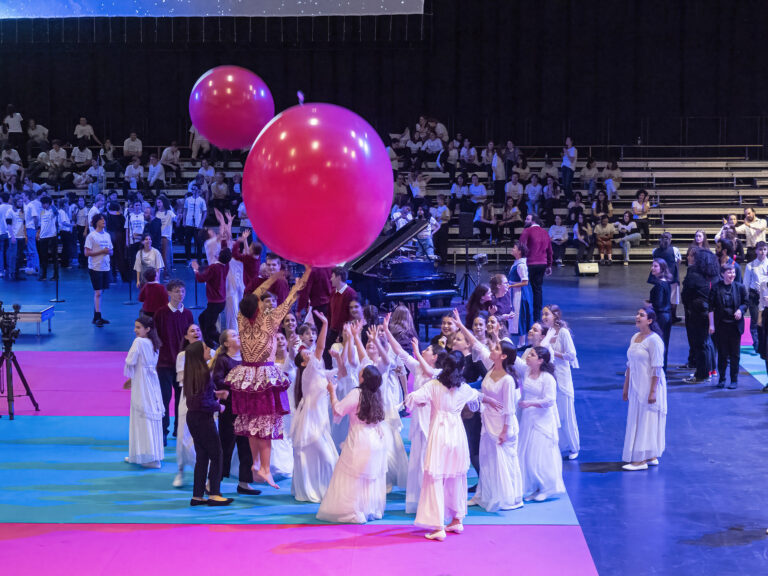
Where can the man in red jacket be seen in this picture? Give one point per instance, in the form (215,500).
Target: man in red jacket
(317,293)
(536,240)
(215,278)
(171,322)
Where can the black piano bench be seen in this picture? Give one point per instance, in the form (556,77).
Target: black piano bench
(431,317)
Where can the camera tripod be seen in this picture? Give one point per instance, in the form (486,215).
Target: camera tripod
(9,360)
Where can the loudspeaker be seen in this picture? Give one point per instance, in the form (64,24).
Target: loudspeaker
(466,225)
(587,269)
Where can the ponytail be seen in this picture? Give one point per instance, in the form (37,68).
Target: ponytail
(546,364)
(510,351)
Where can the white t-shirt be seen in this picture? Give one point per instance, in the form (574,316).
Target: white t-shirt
(166,223)
(84,131)
(132,147)
(533,192)
(81,156)
(65,224)
(91,213)
(169,156)
(12,154)
(30,213)
(146,259)
(133,173)
(18,226)
(194,209)
(47,223)
(477,193)
(196,136)
(243,215)
(208,173)
(5,210)
(513,190)
(14,123)
(97,241)
(567,163)
(8,171)
(39,132)
(135,224)
(156,173)
(57,156)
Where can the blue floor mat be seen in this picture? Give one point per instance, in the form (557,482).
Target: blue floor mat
(64,469)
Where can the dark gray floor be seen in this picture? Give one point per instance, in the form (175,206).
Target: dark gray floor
(703,511)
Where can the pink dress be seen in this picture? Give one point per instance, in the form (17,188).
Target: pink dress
(259,387)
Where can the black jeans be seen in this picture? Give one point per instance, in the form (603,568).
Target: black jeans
(665,323)
(558,251)
(47,248)
(754,300)
(474,427)
(700,343)
(169,387)
(207,451)
(192,233)
(536,280)
(728,349)
(567,182)
(207,321)
(644,228)
(228,442)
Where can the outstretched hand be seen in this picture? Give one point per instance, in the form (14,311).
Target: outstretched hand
(385,321)
(371,333)
(320,316)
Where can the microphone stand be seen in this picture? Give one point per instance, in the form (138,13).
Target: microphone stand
(56,300)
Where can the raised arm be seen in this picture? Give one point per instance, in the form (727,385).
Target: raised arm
(320,345)
(464,330)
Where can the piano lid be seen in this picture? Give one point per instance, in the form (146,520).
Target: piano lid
(385,246)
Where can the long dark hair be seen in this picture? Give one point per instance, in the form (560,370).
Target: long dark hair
(452,368)
(510,351)
(197,375)
(665,274)
(650,312)
(546,364)
(665,240)
(475,304)
(707,264)
(148,322)
(371,407)
(300,367)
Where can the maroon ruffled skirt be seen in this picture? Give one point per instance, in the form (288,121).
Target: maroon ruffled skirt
(259,399)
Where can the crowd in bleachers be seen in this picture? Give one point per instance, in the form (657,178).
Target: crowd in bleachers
(500,189)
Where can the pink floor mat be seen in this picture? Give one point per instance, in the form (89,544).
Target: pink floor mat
(340,550)
(72,384)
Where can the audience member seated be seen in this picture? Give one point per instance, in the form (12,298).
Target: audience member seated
(485,221)
(37,138)
(559,236)
(510,218)
(197,142)
(207,172)
(549,169)
(108,160)
(477,192)
(132,147)
(429,150)
(584,238)
(85,130)
(448,160)
(575,207)
(81,156)
(612,180)
(170,159)
(156,174)
(522,170)
(604,233)
(602,206)
(588,176)
(628,234)
(133,178)
(533,193)
(468,156)
(220,193)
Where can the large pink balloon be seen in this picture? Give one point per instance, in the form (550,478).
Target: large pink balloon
(230,105)
(318,185)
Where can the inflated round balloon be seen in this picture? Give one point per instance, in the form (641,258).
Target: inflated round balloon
(318,185)
(230,105)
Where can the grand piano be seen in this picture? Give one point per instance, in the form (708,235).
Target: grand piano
(381,276)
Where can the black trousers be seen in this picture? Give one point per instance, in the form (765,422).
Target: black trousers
(228,442)
(728,349)
(665,323)
(47,248)
(441,243)
(754,314)
(484,228)
(474,427)
(207,451)
(644,228)
(192,233)
(207,321)
(558,251)
(700,343)
(536,280)
(169,387)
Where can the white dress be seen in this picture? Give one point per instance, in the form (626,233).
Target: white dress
(540,458)
(500,486)
(185,445)
(314,454)
(340,427)
(235,290)
(419,432)
(446,461)
(281,462)
(397,457)
(561,342)
(145,434)
(646,423)
(358,489)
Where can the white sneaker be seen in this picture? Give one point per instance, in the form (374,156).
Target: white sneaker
(178,480)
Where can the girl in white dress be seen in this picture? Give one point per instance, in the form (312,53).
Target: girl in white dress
(358,489)
(145,434)
(423,367)
(559,339)
(500,486)
(346,364)
(444,486)
(382,356)
(185,445)
(314,454)
(281,462)
(540,458)
(645,387)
